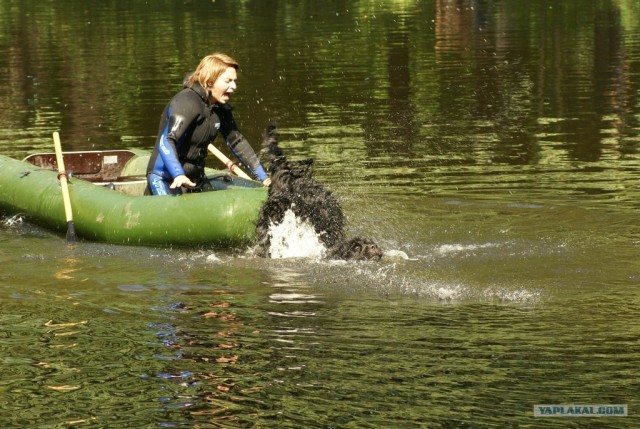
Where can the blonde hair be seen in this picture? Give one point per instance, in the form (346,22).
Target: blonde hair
(210,69)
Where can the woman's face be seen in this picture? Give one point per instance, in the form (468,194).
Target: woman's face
(224,86)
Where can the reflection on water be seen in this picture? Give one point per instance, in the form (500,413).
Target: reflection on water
(236,341)
(491,148)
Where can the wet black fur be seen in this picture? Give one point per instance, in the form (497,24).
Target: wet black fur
(293,187)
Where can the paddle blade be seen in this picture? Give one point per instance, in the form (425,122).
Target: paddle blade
(71,231)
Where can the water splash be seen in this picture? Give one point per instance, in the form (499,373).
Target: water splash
(461,248)
(13,221)
(295,238)
(398,254)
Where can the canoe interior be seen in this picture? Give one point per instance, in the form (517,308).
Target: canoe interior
(121,170)
(93,166)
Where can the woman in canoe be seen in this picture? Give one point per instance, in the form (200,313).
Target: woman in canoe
(191,120)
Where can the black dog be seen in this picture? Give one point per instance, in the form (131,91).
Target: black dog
(293,188)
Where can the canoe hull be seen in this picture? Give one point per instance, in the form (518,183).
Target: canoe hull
(222,218)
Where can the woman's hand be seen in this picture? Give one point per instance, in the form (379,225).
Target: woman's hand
(267,181)
(182,180)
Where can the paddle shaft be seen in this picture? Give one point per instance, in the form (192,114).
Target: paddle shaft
(226,161)
(62,176)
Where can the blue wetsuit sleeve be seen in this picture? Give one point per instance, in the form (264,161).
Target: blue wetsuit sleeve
(239,145)
(245,153)
(167,144)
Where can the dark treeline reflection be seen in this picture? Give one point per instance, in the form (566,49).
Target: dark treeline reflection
(540,68)
(466,81)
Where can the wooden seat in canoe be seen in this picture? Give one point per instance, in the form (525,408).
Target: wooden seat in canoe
(93,166)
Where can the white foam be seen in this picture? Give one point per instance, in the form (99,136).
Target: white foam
(397,254)
(294,238)
(458,248)
(14,220)
(213,258)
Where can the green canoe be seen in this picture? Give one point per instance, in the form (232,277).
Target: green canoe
(106,190)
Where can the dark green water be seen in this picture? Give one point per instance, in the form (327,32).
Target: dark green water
(496,143)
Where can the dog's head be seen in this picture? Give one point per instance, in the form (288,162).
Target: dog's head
(359,249)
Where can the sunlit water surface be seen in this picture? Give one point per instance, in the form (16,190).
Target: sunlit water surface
(491,150)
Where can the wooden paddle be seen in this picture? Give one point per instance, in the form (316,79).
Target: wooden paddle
(62,176)
(233,167)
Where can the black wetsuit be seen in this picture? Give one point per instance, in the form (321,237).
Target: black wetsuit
(188,124)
